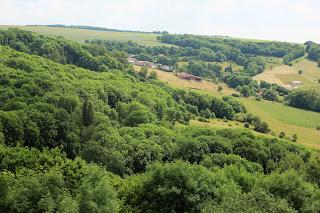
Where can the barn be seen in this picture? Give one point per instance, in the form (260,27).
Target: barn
(189,77)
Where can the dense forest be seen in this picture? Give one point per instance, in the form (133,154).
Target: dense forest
(63,51)
(235,49)
(78,139)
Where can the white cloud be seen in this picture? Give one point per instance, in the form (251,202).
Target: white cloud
(291,20)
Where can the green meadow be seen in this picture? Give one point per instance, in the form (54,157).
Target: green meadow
(80,35)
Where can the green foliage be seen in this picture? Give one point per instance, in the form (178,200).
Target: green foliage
(58,50)
(305,99)
(134,156)
(153,75)
(87,113)
(178,187)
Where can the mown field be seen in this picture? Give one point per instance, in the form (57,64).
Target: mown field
(279,117)
(80,35)
(284,74)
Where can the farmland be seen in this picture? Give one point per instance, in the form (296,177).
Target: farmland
(284,74)
(279,117)
(80,35)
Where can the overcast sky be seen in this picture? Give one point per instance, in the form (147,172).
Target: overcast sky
(286,20)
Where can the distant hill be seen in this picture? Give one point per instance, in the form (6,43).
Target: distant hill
(95,28)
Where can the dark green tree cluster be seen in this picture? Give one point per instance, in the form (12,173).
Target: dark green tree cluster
(313,50)
(73,140)
(308,99)
(249,87)
(207,70)
(62,51)
(235,49)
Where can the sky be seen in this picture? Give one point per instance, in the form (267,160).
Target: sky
(283,20)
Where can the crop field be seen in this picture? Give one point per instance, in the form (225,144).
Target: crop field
(279,117)
(80,35)
(284,75)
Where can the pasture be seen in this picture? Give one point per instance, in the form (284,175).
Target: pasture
(279,117)
(284,74)
(80,35)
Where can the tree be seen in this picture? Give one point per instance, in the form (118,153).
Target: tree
(270,95)
(282,135)
(177,187)
(261,127)
(300,72)
(294,138)
(245,91)
(153,75)
(220,88)
(143,72)
(87,113)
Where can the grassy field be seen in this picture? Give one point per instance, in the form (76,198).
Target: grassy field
(279,117)
(287,119)
(271,61)
(284,75)
(204,86)
(80,35)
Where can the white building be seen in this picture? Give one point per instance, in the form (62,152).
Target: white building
(295,84)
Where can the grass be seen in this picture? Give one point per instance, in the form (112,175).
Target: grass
(279,117)
(80,35)
(288,78)
(309,68)
(284,74)
(288,119)
(271,61)
(204,86)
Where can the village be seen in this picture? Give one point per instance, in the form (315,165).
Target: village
(186,76)
(166,68)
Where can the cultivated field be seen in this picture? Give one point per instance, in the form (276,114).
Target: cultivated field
(284,74)
(80,35)
(279,117)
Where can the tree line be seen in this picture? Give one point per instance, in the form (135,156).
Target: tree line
(63,51)
(74,140)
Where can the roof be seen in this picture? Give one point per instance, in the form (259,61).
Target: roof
(187,75)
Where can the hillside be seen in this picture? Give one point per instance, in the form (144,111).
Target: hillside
(81,35)
(81,130)
(284,74)
(280,117)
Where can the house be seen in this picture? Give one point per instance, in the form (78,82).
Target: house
(131,59)
(165,68)
(189,77)
(295,84)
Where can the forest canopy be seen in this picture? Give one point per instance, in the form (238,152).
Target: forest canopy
(76,139)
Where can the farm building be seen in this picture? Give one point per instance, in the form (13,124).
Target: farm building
(165,68)
(188,76)
(295,84)
(146,63)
